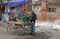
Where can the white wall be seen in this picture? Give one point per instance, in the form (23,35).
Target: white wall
(55,6)
(33,1)
(37,8)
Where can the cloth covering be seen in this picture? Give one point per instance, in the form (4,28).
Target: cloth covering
(16,2)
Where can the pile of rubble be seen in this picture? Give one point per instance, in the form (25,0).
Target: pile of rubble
(48,26)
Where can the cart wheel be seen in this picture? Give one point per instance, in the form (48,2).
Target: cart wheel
(20,32)
(8,29)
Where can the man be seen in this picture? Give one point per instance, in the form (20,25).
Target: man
(5,17)
(34,17)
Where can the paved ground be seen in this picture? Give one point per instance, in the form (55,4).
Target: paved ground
(5,35)
(46,35)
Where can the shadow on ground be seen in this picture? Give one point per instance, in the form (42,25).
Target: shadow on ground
(37,36)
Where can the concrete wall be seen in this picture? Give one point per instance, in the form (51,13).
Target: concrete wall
(55,6)
(44,14)
(49,15)
(37,8)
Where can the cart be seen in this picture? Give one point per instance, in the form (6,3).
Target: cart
(20,28)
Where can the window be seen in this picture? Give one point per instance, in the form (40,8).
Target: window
(52,10)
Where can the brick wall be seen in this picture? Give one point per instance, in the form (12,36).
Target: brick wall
(44,9)
(49,16)
(52,16)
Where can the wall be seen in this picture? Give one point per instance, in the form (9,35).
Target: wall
(33,1)
(55,6)
(50,16)
(37,8)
